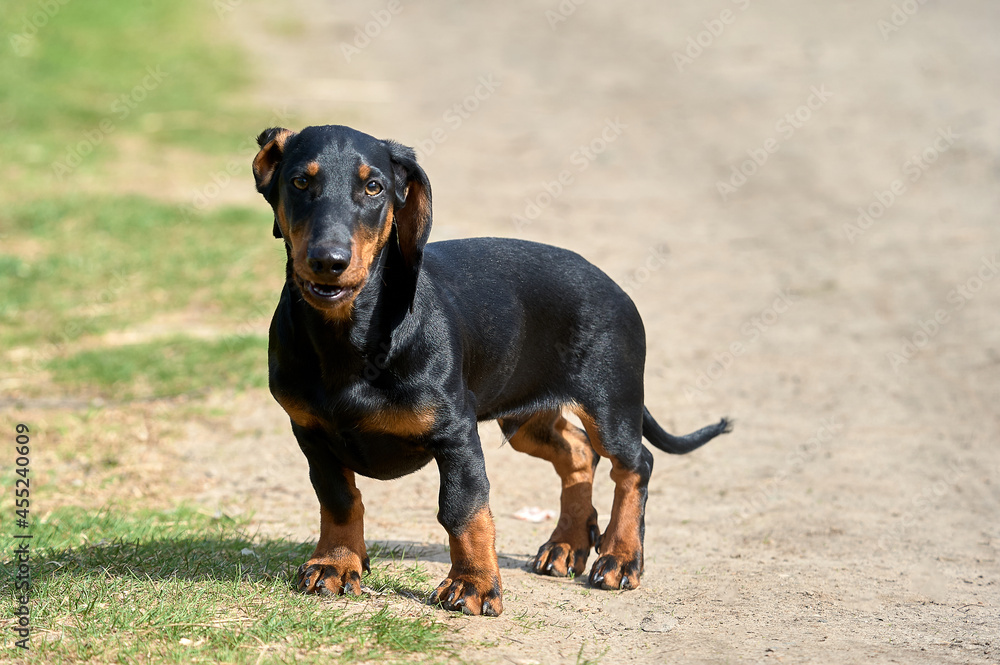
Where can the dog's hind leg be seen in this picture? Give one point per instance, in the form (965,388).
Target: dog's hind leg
(620,547)
(549,436)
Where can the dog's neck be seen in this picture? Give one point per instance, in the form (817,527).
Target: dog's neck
(377,317)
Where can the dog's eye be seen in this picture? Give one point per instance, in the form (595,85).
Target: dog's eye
(373,188)
(300,182)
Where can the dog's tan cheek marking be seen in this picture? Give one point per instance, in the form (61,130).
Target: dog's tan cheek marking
(298,239)
(283,223)
(365,246)
(399,422)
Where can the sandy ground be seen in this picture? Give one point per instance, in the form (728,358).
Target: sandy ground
(854,514)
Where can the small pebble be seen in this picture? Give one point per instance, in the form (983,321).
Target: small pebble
(662,623)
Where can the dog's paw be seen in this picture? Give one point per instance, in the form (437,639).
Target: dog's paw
(614,571)
(559,560)
(469,595)
(562,557)
(334,575)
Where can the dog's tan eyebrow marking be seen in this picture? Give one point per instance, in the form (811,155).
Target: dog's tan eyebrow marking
(312,168)
(364,171)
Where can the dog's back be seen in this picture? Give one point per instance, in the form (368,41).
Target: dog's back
(534,318)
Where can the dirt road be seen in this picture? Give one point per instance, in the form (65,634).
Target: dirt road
(802,199)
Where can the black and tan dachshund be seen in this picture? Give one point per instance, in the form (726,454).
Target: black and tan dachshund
(387,351)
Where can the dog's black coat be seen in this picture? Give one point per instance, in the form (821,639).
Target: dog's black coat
(457,332)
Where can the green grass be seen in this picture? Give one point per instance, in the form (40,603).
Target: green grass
(84,266)
(73,265)
(88,62)
(166,367)
(179,586)
(590,660)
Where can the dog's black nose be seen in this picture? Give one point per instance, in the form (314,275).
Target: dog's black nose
(329,259)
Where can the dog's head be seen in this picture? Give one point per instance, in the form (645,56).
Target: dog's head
(339,198)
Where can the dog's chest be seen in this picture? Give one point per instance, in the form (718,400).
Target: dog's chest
(364,428)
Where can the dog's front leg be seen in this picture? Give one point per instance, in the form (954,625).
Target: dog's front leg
(340,557)
(473,585)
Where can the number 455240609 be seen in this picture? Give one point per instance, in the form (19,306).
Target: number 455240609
(22,484)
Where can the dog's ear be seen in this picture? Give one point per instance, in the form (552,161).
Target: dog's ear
(272,148)
(412,210)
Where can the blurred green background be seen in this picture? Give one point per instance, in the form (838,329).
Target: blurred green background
(126,127)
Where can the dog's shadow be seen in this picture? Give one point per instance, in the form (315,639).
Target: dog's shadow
(253,559)
(408,550)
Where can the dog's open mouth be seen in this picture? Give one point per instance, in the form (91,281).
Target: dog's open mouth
(323,296)
(326,292)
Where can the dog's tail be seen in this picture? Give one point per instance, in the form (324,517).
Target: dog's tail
(679,445)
